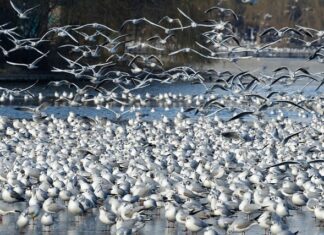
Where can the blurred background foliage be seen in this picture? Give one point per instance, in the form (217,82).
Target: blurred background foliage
(277,13)
(253,18)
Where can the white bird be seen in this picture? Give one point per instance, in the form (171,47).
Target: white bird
(31,65)
(194,224)
(47,219)
(22,14)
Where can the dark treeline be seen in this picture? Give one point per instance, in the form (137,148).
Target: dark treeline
(110,12)
(252,18)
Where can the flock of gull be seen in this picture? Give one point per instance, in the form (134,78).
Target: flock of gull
(199,171)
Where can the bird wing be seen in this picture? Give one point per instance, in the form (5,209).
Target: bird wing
(280,69)
(272,93)
(256,95)
(14,194)
(232,12)
(24,109)
(292,103)
(153,38)
(124,24)
(39,58)
(292,30)
(106,27)
(286,139)
(186,16)
(15,8)
(178,51)
(242,114)
(70,36)
(278,79)
(212,8)
(269,44)
(134,59)
(164,18)
(282,163)
(316,161)
(18,64)
(218,86)
(30,9)
(303,70)
(319,86)
(267,31)
(155,48)
(213,101)
(156,58)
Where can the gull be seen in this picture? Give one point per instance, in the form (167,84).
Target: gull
(223,11)
(241,225)
(75,48)
(319,211)
(112,40)
(25,47)
(69,100)
(10,196)
(259,48)
(193,23)
(96,26)
(171,20)
(79,91)
(35,41)
(264,220)
(10,32)
(188,50)
(124,57)
(72,63)
(140,20)
(31,65)
(22,14)
(47,219)
(7,52)
(170,211)
(106,217)
(144,45)
(308,43)
(18,91)
(289,102)
(242,114)
(118,115)
(194,224)
(22,220)
(159,39)
(75,207)
(76,73)
(212,53)
(86,37)
(61,32)
(299,199)
(319,33)
(280,32)
(51,206)
(113,49)
(146,60)
(37,110)
(33,210)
